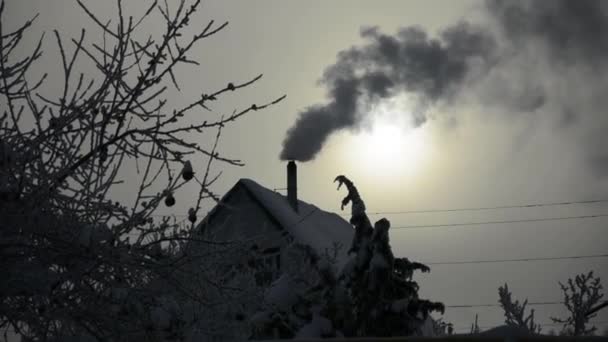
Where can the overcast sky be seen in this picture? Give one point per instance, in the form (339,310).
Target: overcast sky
(517,116)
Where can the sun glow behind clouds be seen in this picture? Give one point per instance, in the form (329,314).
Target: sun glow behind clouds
(390,148)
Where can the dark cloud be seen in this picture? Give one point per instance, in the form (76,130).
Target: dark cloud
(572,31)
(571,39)
(531,56)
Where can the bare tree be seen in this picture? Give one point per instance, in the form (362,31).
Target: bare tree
(515,312)
(582,297)
(76,262)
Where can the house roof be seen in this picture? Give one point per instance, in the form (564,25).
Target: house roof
(309,225)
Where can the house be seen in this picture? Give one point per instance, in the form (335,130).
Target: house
(265,233)
(273,224)
(271,230)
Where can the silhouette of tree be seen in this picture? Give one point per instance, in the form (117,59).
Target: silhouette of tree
(515,312)
(582,297)
(76,263)
(385,298)
(373,295)
(474,326)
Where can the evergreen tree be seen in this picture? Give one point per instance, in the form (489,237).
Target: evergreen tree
(385,298)
(373,295)
(515,312)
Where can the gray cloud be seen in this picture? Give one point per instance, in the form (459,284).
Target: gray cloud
(571,39)
(572,31)
(545,57)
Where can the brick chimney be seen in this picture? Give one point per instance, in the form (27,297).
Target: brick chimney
(292,184)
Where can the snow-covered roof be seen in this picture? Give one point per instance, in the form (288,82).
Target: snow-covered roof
(309,225)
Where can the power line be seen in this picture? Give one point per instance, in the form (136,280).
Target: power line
(460,329)
(501,222)
(480,208)
(498,305)
(516,260)
(513,206)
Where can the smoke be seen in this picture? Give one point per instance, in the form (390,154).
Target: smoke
(569,40)
(385,66)
(526,57)
(572,31)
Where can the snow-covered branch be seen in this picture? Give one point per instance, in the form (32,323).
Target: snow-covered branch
(75,261)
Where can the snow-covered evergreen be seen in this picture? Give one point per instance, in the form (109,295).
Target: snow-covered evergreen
(372,295)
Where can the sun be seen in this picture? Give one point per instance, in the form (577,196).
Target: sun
(390,146)
(389,149)
(384,144)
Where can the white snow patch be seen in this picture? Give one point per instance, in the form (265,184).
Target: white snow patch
(310,225)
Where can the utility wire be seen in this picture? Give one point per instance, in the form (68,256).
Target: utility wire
(463,329)
(498,305)
(516,260)
(530,205)
(443,225)
(512,206)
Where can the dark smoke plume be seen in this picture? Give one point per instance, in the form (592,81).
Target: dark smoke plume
(567,37)
(386,65)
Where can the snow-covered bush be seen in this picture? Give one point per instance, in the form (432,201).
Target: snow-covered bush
(77,264)
(292,302)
